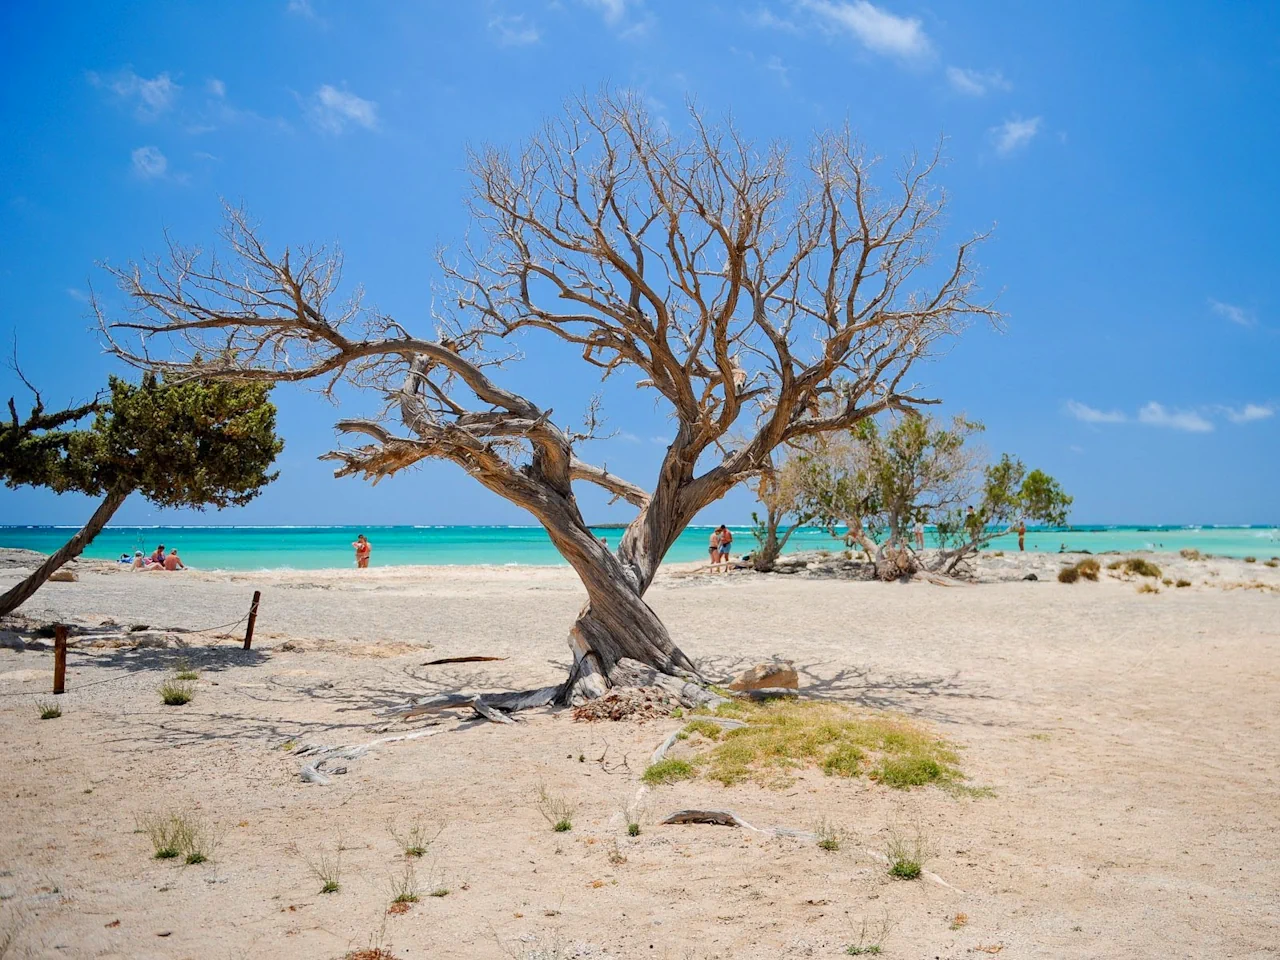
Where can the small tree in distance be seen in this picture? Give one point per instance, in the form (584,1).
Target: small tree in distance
(878,483)
(741,287)
(193,444)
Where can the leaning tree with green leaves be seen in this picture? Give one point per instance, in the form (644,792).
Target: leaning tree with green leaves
(192,443)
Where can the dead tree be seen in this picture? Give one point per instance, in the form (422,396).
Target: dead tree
(744,288)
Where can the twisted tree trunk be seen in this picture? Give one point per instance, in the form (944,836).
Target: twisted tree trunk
(68,551)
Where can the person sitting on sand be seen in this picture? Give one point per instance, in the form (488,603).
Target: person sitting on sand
(726,538)
(363,549)
(172,562)
(139,561)
(714,547)
(158,556)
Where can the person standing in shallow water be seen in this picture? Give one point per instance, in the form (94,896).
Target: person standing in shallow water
(1022,535)
(363,549)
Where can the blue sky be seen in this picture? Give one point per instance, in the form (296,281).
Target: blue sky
(1124,153)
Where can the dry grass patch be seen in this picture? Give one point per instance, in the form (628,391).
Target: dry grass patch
(784,736)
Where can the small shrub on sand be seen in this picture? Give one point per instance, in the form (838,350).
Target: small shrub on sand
(1250,559)
(829,835)
(416,838)
(184,835)
(1088,568)
(668,770)
(1140,567)
(49,710)
(871,938)
(183,671)
(1273,562)
(1068,575)
(176,693)
(1115,565)
(165,831)
(556,810)
(1183,583)
(1148,588)
(785,735)
(1187,553)
(404,888)
(324,865)
(907,854)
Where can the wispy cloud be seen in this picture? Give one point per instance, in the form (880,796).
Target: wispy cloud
(334,110)
(215,87)
(766,19)
(1156,415)
(1249,413)
(150,98)
(1088,414)
(302,8)
(149,163)
(874,27)
(976,83)
(514,31)
(75,293)
(1012,135)
(628,18)
(1228,311)
(779,69)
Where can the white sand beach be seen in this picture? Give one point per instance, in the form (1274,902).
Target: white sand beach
(1130,741)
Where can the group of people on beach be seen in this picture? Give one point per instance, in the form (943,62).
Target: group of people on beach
(721,540)
(159,560)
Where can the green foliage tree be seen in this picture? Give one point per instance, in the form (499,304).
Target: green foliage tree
(1008,493)
(779,490)
(188,444)
(878,483)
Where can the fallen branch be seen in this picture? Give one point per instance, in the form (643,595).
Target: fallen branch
(727,818)
(436,663)
(311,772)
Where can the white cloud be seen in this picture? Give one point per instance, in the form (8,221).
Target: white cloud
(976,83)
(1013,135)
(216,87)
(661,441)
(1087,414)
(1240,315)
(1156,415)
(150,98)
(149,163)
(766,19)
(612,10)
(333,110)
(514,31)
(627,436)
(75,293)
(779,69)
(876,29)
(1249,413)
(302,8)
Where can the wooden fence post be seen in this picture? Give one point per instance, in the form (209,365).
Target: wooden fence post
(59,658)
(253,618)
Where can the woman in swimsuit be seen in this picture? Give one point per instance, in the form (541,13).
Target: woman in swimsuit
(363,549)
(715,547)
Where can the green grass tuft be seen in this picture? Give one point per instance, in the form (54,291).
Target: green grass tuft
(912,771)
(1140,567)
(1068,575)
(669,770)
(784,736)
(176,693)
(49,710)
(707,728)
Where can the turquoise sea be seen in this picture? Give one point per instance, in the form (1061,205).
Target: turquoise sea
(315,548)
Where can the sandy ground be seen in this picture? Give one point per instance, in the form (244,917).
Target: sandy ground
(1132,742)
